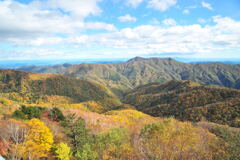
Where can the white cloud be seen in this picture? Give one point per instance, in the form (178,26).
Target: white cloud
(79,8)
(36,41)
(134,3)
(35,52)
(226,32)
(99,26)
(147,39)
(34,25)
(194,40)
(42,52)
(127,18)
(186,11)
(34,19)
(207,5)
(161,5)
(188,8)
(169,22)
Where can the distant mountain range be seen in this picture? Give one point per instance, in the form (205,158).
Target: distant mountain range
(121,77)
(14,64)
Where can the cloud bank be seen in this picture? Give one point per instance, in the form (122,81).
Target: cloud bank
(54,28)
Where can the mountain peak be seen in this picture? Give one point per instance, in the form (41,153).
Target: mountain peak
(136,59)
(151,58)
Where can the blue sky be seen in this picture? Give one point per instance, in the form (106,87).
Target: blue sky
(75,29)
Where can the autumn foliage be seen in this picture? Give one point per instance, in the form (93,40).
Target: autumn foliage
(55,117)
(38,141)
(173,140)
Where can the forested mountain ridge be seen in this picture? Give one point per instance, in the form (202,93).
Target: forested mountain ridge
(139,71)
(33,86)
(186,100)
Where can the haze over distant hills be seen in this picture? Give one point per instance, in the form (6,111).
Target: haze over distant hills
(139,71)
(14,64)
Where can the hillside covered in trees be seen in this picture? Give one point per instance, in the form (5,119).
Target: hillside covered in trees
(140,71)
(188,100)
(41,88)
(55,117)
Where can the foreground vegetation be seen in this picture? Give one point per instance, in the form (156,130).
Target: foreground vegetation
(35,133)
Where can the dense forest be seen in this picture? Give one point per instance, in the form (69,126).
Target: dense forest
(186,100)
(51,116)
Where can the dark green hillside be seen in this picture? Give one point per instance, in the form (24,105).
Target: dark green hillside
(188,100)
(36,85)
(140,71)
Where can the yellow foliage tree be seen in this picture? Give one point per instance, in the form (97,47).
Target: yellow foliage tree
(62,151)
(38,141)
(173,140)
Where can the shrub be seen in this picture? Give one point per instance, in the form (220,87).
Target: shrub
(19,114)
(28,112)
(62,151)
(56,114)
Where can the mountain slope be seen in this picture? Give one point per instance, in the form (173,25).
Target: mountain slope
(46,69)
(36,85)
(139,71)
(188,100)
